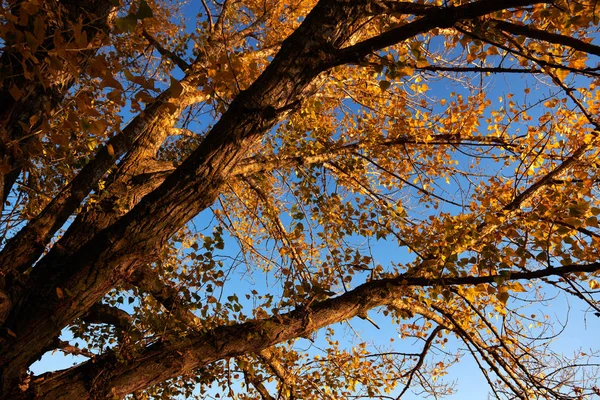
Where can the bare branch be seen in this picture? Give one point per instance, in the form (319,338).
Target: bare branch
(421,359)
(180,62)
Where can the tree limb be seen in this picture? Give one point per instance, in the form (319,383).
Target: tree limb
(443,17)
(164,360)
(534,33)
(180,62)
(101,313)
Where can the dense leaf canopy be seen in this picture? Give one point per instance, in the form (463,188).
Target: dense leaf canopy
(212,198)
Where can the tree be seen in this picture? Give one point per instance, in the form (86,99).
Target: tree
(307,133)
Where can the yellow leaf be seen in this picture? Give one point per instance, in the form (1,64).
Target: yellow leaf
(561,74)
(503,297)
(516,287)
(15,92)
(384,85)
(176,88)
(59,293)
(406,70)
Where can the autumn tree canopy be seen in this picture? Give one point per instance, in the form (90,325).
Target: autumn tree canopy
(212,195)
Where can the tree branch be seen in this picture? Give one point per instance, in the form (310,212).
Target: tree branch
(180,62)
(68,348)
(421,359)
(101,313)
(168,359)
(441,18)
(251,377)
(269,358)
(148,280)
(534,33)
(27,246)
(254,165)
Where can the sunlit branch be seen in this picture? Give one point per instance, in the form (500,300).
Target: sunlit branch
(25,247)
(202,349)
(269,358)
